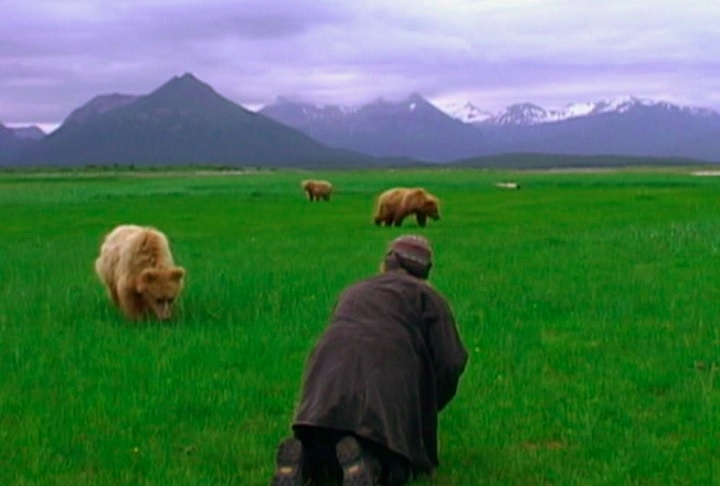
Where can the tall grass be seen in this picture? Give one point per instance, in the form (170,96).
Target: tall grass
(588,302)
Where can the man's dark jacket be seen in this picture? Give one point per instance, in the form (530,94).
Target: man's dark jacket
(389,361)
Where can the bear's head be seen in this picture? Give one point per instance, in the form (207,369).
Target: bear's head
(159,287)
(431,208)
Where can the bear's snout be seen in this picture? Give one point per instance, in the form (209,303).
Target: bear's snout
(163,310)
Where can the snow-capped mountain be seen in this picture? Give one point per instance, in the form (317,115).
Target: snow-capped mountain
(465,112)
(418,129)
(292,112)
(523,114)
(411,127)
(628,103)
(516,114)
(530,114)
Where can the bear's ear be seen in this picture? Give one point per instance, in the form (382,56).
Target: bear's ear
(177,273)
(149,275)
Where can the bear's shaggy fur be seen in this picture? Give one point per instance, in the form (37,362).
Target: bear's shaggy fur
(137,268)
(317,190)
(394,205)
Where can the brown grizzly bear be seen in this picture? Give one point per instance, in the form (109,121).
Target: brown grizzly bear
(317,190)
(394,205)
(137,268)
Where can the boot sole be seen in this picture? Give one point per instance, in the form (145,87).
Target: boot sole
(356,471)
(289,461)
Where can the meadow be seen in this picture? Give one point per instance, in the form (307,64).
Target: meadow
(588,301)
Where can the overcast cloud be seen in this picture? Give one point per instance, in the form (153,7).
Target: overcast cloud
(57,55)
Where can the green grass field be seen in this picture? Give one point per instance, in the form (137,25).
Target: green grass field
(589,303)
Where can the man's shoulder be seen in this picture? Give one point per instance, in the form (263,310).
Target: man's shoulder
(402,279)
(385,279)
(398,278)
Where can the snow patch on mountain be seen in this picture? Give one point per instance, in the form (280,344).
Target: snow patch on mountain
(466,112)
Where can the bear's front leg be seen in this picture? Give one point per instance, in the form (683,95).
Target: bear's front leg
(421,219)
(132,304)
(114,294)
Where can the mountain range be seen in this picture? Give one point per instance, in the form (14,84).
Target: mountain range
(412,128)
(185,121)
(531,114)
(628,127)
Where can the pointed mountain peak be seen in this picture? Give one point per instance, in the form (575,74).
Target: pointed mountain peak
(188,77)
(416,101)
(188,93)
(187,87)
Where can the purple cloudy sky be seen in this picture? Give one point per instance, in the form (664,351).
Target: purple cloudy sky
(57,55)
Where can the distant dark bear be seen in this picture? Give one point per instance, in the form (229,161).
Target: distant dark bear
(394,205)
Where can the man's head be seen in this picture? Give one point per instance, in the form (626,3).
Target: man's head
(411,253)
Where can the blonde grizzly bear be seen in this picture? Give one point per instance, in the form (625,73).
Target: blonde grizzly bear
(317,190)
(137,268)
(394,205)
